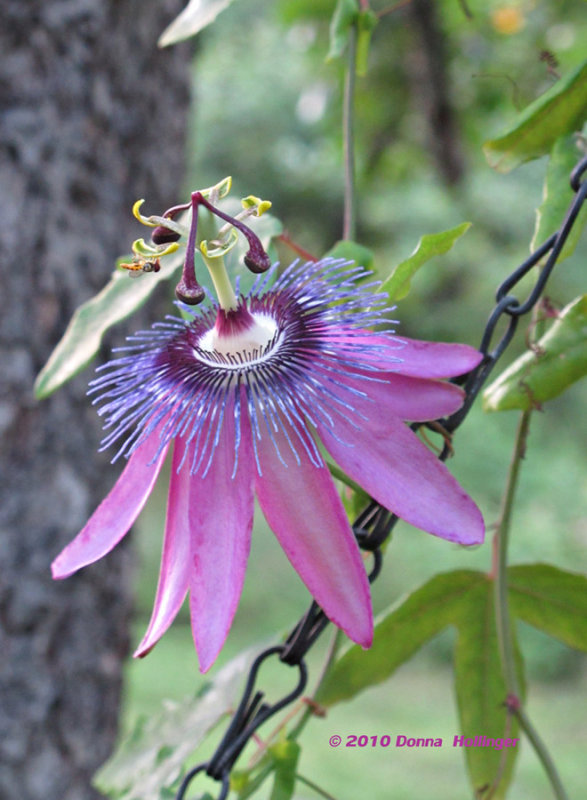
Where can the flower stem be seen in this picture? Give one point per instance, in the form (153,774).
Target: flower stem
(504,634)
(348,113)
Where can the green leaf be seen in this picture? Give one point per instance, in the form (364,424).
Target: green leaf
(285,754)
(481,691)
(559,361)
(118,299)
(557,197)
(399,633)
(352,251)
(559,111)
(551,599)
(366,25)
(345,16)
(397,285)
(196,16)
(151,761)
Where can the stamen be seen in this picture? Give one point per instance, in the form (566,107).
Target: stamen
(188,290)
(255,258)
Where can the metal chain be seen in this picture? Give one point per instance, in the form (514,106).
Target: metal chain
(374,524)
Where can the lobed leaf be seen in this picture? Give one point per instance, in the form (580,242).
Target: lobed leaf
(559,111)
(551,599)
(151,761)
(118,299)
(196,16)
(557,197)
(397,284)
(399,633)
(481,692)
(559,361)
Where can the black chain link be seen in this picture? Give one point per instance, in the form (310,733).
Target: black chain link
(375,523)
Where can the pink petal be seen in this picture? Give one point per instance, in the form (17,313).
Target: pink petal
(303,509)
(414,399)
(174,573)
(413,357)
(435,359)
(397,469)
(116,514)
(220,518)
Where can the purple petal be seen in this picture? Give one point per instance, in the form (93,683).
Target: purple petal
(414,357)
(305,512)
(116,514)
(174,572)
(220,518)
(393,466)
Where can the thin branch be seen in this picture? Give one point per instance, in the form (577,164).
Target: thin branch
(348,119)
(504,634)
(314,786)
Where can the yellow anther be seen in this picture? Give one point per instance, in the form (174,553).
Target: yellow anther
(259,206)
(137,214)
(219,248)
(143,250)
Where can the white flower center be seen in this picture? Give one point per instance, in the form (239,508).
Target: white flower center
(248,345)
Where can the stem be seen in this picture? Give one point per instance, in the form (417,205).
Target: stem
(314,786)
(542,753)
(349,220)
(504,634)
(285,238)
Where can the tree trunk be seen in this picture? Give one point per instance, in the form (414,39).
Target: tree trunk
(93,117)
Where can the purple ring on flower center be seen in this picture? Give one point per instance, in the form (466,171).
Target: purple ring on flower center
(282,346)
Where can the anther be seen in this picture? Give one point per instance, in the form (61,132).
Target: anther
(163,235)
(256,259)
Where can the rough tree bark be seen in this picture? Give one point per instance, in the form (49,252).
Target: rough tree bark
(92,117)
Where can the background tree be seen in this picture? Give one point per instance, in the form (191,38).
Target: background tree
(92,117)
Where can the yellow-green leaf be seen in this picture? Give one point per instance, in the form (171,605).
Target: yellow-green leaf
(481,693)
(399,633)
(81,340)
(560,360)
(559,111)
(397,285)
(366,25)
(551,599)
(285,755)
(558,195)
(345,15)
(352,251)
